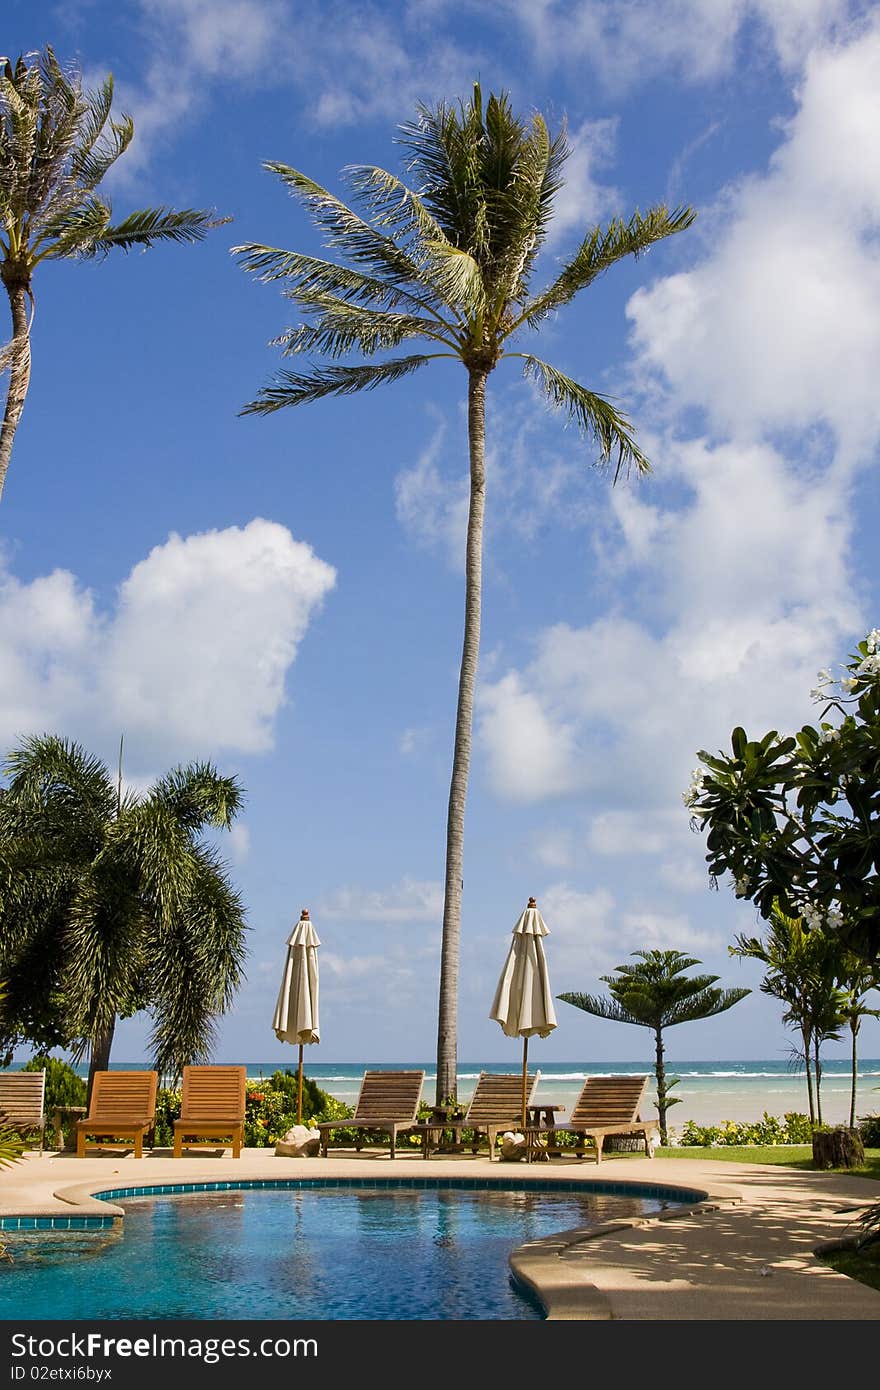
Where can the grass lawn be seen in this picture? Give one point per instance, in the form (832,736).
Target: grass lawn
(790,1155)
(863,1265)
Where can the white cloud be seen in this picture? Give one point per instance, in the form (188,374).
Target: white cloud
(582,200)
(628,40)
(240,842)
(779,327)
(431,507)
(410,900)
(192,660)
(190,46)
(616,833)
(590,934)
(530,755)
(742,593)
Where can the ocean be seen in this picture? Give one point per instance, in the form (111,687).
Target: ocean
(709,1092)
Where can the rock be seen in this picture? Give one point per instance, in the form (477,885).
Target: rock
(512,1145)
(298,1142)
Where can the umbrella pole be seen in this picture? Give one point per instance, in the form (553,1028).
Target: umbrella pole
(299,1089)
(525,1078)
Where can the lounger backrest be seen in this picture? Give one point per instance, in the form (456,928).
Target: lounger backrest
(609,1100)
(389,1095)
(22,1097)
(126,1096)
(213,1093)
(498,1096)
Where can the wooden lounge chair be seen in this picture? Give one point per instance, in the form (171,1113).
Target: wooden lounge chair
(211,1108)
(606,1105)
(22,1103)
(122,1108)
(495,1106)
(388,1101)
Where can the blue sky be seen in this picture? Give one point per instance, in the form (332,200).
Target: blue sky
(285,595)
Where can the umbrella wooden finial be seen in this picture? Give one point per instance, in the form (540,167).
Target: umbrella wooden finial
(532,902)
(305,913)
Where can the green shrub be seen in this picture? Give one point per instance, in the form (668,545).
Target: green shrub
(869,1129)
(63,1087)
(270,1110)
(793,1129)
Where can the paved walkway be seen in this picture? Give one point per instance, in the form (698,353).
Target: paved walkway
(747,1251)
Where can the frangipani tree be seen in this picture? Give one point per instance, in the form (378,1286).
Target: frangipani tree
(795,820)
(447,260)
(656,994)
(57,143)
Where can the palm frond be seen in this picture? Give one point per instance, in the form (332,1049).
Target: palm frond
(592,413)
(290,388)
(198,795)
(308,276)
(392,205)
(363,243)
(344,327)
(600,249)
(150,225)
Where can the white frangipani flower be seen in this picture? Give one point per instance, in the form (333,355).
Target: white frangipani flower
(829,735)
(873,640)
(692,795)
(870,666)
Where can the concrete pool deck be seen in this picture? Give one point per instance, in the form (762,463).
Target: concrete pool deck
(746,1252)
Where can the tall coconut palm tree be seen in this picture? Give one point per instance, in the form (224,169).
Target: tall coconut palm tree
(656,994)
(448,259)
(57,143)
(112,902)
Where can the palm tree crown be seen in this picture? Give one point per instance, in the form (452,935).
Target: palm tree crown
(445,261)
(57,142)
(111,903)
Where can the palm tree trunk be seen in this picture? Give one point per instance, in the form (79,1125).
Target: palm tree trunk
(19,374)
(660,1073)
(818,1072)
(100,1058)
(447,1027)
(805,1034)
(854,1029)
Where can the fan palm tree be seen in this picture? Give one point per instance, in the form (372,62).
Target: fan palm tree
(448,259)
(112,902)
(57,143)
(656,994)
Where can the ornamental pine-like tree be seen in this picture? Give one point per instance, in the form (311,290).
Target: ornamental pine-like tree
(57,142)
(656,994)
(447,260)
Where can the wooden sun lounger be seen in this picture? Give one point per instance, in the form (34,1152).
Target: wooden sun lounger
(212,1107)
(22,1102)
(495,1106)
(122,1109)
(606,1105)
(388,1101)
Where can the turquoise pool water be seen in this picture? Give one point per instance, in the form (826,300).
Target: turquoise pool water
(309,1253)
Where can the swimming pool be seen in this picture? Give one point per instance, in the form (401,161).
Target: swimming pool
(352,1250)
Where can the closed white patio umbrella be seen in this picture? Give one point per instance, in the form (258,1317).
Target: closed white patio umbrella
(296,1009)
(523,1003)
